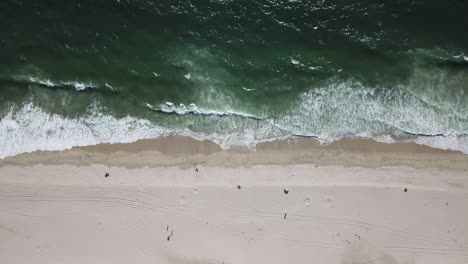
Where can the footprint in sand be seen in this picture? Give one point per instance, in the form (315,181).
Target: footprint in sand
(327,201)
(307,202)
(182,200)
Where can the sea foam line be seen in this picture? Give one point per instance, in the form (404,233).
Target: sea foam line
(29,128)
(79,86)
(192,109)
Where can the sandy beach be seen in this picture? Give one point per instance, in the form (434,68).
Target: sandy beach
(178,200)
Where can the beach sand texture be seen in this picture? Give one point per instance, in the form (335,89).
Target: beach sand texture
(177,200)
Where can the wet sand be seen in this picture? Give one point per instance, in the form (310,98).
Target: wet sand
(186,152)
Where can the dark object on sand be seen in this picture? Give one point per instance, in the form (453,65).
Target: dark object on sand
(106,175)
(167,228)
(196,169)
(286,190)
(239,187)
(168,238)
(406,189)
(285,215)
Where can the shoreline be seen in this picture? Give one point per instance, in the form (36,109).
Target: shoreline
(186,152)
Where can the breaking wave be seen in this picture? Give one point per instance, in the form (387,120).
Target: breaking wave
(79,86)
(192,109)
(325,114)
(30,128)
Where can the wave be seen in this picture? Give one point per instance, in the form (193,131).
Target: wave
(446,142)
(29,128)
(350,108)
(329,113)
(248,89)
(192,109)
(79,86)
(465,58)
(49,83)
(46,82)
(440,58)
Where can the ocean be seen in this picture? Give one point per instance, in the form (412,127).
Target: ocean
(237,72)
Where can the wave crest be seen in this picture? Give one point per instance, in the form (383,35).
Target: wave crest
(79,86)
(193,109)
(30,128)
(349,108)
(340,110)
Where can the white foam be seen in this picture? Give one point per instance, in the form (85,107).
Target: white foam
(29,128)
(110,87)
(342,109)
(464,57)
(326,114)
(448,142)
(46,82)
(192,108)
(295,62)
(247,89)
(349,109)
(382,139)
(79,86)
(188,76)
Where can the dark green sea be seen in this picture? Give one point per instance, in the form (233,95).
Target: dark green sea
(238,72)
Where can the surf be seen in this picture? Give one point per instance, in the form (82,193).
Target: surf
(193,109)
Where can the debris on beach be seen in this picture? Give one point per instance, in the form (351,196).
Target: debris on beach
(285,215)
(239,187)
(405,190)
(286,190)
(106,175)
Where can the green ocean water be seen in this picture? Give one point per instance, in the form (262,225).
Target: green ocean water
(236,72)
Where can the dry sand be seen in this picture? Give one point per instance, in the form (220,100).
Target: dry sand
(354,201)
